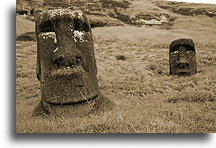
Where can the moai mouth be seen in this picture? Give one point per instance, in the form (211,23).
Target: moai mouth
(182,57)
(66,65)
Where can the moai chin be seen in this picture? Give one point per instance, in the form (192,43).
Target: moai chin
(182,57)
(66,66)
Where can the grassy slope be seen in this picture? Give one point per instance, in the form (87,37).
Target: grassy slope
(143,6)
(147,98)
(187,8)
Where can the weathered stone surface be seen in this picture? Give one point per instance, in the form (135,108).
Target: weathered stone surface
(182,57)
(66,65)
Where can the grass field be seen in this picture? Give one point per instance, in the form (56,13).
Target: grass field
(147,98)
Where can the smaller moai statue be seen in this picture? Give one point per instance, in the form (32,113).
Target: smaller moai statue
(182,57)
(66,65)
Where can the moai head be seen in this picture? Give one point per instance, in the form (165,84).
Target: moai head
(182,57)
(66,66)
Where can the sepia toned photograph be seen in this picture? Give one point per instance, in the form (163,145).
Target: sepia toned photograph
(115,66)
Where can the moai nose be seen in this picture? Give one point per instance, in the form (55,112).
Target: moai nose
(183,64)
(67,59)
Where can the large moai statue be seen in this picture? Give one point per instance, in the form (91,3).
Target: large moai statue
(66,66)
(182,57)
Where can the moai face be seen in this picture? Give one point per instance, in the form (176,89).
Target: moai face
(66,64)
(182,57)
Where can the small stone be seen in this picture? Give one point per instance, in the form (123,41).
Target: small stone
(121,57)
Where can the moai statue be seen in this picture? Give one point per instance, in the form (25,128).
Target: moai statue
(182,57)
(66,66)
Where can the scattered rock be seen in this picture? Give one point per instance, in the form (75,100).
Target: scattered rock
(153,19)
(120,57)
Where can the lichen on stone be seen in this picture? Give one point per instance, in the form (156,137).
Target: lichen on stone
(46,35)
(79,35)
(52,14)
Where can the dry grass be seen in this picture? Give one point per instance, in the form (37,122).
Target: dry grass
(148,99)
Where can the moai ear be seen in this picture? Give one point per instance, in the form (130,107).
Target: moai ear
(182,57)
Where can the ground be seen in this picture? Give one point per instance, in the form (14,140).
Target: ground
(147,98)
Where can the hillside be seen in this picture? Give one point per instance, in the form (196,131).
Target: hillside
(100,12)
(118,12)
(191,9)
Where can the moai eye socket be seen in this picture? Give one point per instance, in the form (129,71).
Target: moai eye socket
(46,27)
(80,25)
